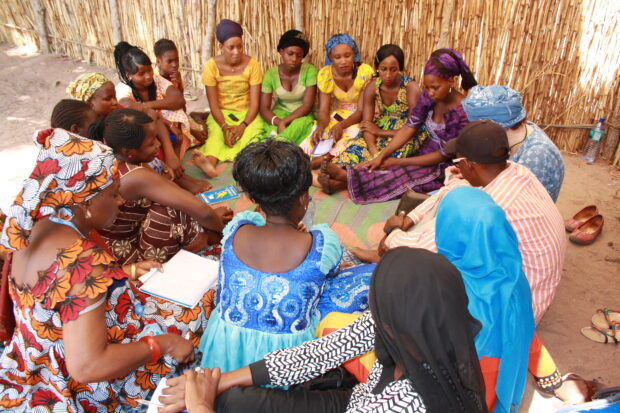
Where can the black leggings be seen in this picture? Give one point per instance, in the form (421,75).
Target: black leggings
(262,400)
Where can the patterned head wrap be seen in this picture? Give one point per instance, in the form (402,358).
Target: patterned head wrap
(226,29)
(294,38)
(337,39)
(446,63)
(500,104)
(69,170)
(86,85)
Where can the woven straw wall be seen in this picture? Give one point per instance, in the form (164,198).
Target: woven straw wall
(562,55)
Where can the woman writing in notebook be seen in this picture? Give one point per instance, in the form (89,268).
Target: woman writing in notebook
(78,342)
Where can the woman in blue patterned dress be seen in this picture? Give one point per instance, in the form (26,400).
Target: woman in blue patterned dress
(529,145)
(272,274)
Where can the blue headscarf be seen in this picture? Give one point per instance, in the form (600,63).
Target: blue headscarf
(500,104)
(473,233)
(337,39)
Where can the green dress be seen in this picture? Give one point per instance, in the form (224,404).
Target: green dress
(286,102)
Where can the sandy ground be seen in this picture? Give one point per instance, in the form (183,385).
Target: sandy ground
(31,85)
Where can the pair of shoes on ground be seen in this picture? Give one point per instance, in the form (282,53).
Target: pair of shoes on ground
(585,226)
(605,327)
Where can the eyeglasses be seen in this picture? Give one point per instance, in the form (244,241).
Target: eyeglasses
(456,161)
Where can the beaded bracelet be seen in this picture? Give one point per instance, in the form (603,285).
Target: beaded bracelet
(549,383)
(154,348)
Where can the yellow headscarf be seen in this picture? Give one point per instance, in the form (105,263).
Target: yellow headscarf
(86,85)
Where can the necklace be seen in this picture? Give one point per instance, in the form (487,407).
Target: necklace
(68,223)
(520,142)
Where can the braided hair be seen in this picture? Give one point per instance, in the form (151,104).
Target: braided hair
(127,59)
(273,173)
(121,129)
(69,112)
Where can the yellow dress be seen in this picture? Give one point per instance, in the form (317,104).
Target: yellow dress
(233,96)
(343,103)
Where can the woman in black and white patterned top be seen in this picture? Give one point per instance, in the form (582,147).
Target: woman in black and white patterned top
(422,334)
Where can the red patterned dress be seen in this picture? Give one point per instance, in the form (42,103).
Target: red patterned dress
(33,373)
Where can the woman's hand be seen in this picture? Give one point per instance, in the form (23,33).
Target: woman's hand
(281,123)
(225,214)
(236,132)
(177,347)
(173,396)
(370,127)
(143,267)
(227,130)
(371,165)
(175,166)
(317,135)
(201,389)
(388,163)
(336,131)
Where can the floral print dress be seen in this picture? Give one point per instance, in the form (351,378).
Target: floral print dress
(33,371)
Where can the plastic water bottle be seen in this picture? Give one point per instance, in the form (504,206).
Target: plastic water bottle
(308,219)
(594,141)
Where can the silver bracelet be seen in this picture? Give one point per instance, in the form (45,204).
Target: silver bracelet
(275,116)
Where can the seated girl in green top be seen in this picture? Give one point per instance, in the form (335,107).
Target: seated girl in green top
(293,84)
(232,81)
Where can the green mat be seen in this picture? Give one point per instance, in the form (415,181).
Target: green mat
(356,225)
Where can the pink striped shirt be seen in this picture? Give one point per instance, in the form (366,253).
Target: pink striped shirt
(532,214)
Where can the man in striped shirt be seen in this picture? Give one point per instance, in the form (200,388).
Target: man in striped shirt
(482,152)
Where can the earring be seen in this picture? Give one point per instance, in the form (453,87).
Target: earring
(88,215)
(450,91)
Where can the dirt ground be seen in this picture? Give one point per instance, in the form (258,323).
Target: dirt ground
(33,84)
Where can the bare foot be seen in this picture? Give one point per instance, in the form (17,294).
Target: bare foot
(366,255)
(315,163)
(575,389)
(193,185)
(323,177)
(203,163)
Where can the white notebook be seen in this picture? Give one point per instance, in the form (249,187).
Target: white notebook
(186,278)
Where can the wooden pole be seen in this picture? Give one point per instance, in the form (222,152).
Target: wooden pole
(207,49)
(446,17)
(39,16)
(613,126)
(116,23)
(298,12)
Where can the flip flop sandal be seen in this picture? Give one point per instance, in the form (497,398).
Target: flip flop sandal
(606,318)
(601,335)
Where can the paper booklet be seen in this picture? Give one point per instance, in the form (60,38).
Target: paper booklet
(186,278)
(323,147)
(219,195)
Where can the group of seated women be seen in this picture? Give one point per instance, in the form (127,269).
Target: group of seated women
(108,200)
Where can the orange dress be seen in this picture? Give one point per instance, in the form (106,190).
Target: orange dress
(33,371)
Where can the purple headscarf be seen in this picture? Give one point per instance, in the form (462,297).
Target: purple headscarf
(226,29)
(446,63)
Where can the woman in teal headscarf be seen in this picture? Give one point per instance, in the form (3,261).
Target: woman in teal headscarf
(473,233)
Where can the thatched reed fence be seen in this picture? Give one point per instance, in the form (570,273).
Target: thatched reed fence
(562,55)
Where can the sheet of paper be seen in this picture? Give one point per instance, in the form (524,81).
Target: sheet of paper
(323,147)
(185,279)
(155,399)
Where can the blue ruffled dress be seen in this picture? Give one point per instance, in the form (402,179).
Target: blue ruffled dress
(258,312)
